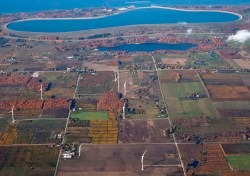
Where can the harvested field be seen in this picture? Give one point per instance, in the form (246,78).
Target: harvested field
(229,93)
(191,128)
(210,157)
(97,83)
(172,76)
(99,66)
(246,79)
(127,86)
(147,131)
(243,63)
(123,158)
(175,61)
(236,149)
(234,112)
(244,121)
(224,125)
(227,79)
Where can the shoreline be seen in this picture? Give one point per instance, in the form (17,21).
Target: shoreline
(5,26)
(127,10)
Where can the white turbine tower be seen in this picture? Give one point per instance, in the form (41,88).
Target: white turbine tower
(79,152)
(142,157)
(41,89)
(125,88)
(12,114)
(115,75)
(124,111)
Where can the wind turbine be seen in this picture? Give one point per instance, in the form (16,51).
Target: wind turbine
(41,89)
(79,152)
(124,110)
(125,87)
(142,157)
(12,114)
(115,75)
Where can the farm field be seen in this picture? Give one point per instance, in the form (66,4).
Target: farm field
(96,131)
(209,157)
(226,87)
(240,162)
(90,115)
(146,131)
(100,159)
(61,85)
(236,149)
(207,60)
(142,90)
(32,132)
(96,83)
(181,103)
(28,160)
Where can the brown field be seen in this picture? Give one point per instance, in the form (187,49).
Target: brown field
(186,76)
(148,131)
(126,76)
(234,112)
(176,61)
(236,149)
(244,121)
(229,93)
(99,66)
(210,156)
(143,84)
(124,158)
(243,63)
(223,79)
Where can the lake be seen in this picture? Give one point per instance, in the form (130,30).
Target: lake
(133,17)
(149,47)
(12,6)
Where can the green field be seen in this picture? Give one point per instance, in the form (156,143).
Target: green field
(208,60)
(240,162)
(180,105)
(83,115)
(182,90)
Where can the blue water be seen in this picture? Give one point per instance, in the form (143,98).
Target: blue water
(133,17)
(12,6)
(149,47)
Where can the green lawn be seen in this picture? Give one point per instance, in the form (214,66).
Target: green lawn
(83,115)
(240,162)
